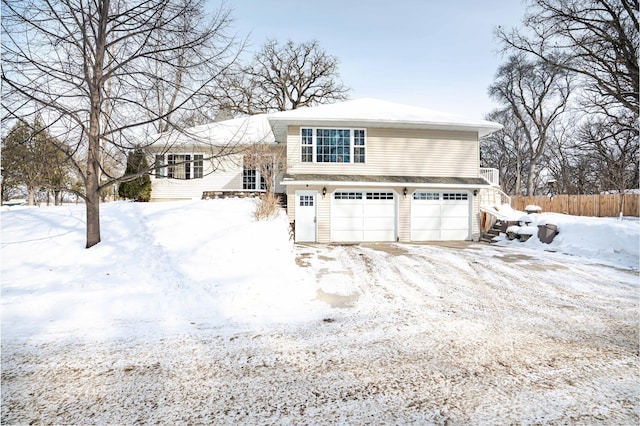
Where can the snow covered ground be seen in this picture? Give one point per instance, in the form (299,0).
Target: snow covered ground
(194,313)
(611,241)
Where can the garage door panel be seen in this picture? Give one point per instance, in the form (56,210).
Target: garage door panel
(453,234)
(363,216)
(379,210)
(379,223)
(426,210)
(425,223)
(343,223)
(455,222)
(425,234)
(455,210)
(379,235)
(439,216)
(343,209)
(346,235)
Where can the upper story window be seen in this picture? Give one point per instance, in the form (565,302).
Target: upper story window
(307,145)
(179,166)
(332,145)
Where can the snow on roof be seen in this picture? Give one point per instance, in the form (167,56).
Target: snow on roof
(267,128)
(385,114)
(244,130)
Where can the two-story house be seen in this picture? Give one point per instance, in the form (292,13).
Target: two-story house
(370,170)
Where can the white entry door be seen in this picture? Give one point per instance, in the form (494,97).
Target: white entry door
(306,216)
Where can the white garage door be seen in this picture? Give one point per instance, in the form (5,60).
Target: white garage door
(363,216)
(439,216)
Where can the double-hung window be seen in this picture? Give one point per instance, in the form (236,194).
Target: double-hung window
(179,166)
(307,145)
(358,146)
(324,145)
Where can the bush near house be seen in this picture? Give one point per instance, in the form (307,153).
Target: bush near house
(267,207)
(138,188)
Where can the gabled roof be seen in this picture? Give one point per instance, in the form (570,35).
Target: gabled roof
(367,112)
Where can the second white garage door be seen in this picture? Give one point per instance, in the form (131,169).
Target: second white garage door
(363,216)
(439,216)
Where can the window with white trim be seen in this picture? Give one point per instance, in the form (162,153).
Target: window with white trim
(252,179)
(328,145)
(307,145)
(179,166)
(455,196)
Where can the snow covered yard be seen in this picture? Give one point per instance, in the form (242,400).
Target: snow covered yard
(193,313)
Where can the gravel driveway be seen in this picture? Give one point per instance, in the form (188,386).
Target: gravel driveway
(461,333)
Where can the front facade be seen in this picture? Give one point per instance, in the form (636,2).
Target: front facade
(375,171)
(363,170)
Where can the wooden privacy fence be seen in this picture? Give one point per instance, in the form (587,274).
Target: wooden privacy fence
(605,205)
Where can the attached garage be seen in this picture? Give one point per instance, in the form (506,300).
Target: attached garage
(361,215)
(440,215)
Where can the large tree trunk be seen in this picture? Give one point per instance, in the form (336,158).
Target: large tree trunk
(93,202)
(92,183)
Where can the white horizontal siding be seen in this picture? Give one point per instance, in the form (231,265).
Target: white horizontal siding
(225,174)
(400,152)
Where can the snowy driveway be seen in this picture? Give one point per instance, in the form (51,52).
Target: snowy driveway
(409,334)
(472,333)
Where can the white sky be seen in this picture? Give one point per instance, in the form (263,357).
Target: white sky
(431,53)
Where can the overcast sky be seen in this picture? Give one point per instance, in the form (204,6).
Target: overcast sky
(436,54)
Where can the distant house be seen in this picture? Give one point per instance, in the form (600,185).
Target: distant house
(362,170)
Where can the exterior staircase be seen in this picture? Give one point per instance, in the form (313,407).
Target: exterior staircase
(493,232)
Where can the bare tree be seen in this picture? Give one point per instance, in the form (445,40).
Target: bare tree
(501,150)
(284,77)
(595,39)
(615,150)
(90,69)
(537,94)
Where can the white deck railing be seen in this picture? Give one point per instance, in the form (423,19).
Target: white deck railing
(491,175)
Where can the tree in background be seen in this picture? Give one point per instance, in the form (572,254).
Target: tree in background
(30,157)
(597,42)
(501,150)
(595,39)
(536,95)
(138,184)
(90,70)
(284,77)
